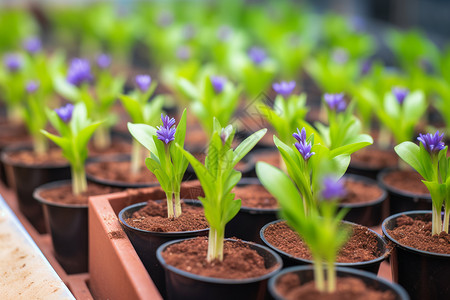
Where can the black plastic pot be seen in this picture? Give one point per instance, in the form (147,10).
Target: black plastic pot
(187,286)
(359,168)
(27,178)
(248,222)
(368,213)
(370,266)
(423,274)
(400,200)
(147,242)
(68,226)
(112,183)
(305,274)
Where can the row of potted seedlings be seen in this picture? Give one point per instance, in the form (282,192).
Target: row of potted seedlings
(302,185)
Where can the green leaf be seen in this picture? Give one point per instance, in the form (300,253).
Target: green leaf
(410,153)
(247,145)
(144,133)
(133,108)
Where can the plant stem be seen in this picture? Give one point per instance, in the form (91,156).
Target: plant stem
(169,205)
(135,157)
(446,219)
(318,275)
(331,277)
(40,144)
(211,244)
(436,221)
(384,138)
(102,138)
(177,204)
(79,183)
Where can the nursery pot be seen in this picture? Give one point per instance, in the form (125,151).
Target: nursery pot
(27,177)
(114,159)
(364,168)
(68,226)
(187,286)
(402,200)
(248,222)
(305,274)
(147,242)
(423,274)
(370,266)
(366,213)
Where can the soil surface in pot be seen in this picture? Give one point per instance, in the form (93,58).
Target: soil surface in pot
(290,287)
(52,156)
(239,261)
(416,233)
(409,181)
(360,192)
(255,196)
(153,217)
(119,171)
(374,158)
(362,245)
(63,194)
(118,146)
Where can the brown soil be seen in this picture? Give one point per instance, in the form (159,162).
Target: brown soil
(27,157)
(255,196)
(118,146)
(196,138)
(347,288)
(153,217)
(119,171)
(371,157)
(63,194)
(408,181)
(361,192)
(270,157)
(416,233)
(239,261)
(362,245)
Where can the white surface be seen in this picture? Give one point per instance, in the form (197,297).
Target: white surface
(24,271)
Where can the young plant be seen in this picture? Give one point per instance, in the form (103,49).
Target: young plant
(75,130)
(218,178)
(431,162)
(141,111)
(287,111)
(34,116)
(166,161)
(318,225)
(12,82)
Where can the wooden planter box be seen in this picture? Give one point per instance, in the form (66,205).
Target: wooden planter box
(116,271)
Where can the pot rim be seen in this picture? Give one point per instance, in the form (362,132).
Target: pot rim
(279,265)
(362,166)
(380,179)
(114,183)
(359,178)
(27,146)
(411,249)
(360,273)
(379,259)
(54,184)
(155,233)
(254,210)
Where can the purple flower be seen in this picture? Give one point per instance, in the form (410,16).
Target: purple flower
(32,86)
(366,66)
(284,88)
(79,72)
(13,62)
(103,61)
(166,132)
(32,44)
(302,145)
(257,55)
(333,189)
(335,102)
(65,112)
(218,83)
(432,143)
(143,82)
(400,94)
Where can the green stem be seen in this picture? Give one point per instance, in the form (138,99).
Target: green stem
(135,157)
(436,221)
(331,277)
(102,137)
(446,220)
(40,144)
(219,244)
(169,205)
(211,244)
(318,275)
(384,138)
(79,182)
